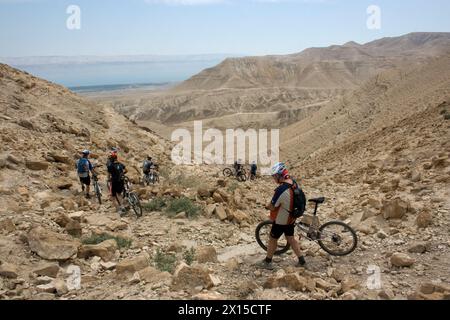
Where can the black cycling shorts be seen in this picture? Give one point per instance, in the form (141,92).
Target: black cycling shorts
(86,181)
(117,188)
(278,230)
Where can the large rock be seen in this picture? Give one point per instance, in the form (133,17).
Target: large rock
(132,265)
(401,260)
(394,209)
(209,210)
(52,246)
(419,247)
(217,197)
(152,275)
(424,219)
(47,270)
(240,216)
(62,158)
(74,228)
(221,213)
(104,250)
(203,193)
(7,226)
(291,281)
(36,165)
(206,254)
(8,270)
(63,220)
(188,278)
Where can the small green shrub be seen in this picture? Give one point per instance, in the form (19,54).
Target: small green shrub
(189,256)
(175,206)
(164,261)
(156,204)
(99,238)
(232,187)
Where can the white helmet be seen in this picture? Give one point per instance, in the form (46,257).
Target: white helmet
(278,168)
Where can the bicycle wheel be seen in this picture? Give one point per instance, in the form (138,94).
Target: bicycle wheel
(98,193)
(337,238)
(133,199)
(242,177)
(227,172)
(262,235)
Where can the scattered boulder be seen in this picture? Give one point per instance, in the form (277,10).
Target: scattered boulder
(217,198)
(13,159)
(47,270)
(394,209)
(61,158)
(424,219)
(74,228)
(188,278)
(418,247)
(203,193)
(291,281)
(104,250)
(401,260)
(132,265)
(221,213)
(63,220)
(222,183)
(52,246)
(209,210)
(240,216)
(206,254)
(152,275)
(7,226)
(36,165)
(8,270)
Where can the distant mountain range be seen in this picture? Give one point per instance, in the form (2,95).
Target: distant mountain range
(337,66)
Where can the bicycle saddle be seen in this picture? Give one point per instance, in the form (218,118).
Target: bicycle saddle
(317,200)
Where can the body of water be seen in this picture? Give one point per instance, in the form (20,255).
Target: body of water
(75,75)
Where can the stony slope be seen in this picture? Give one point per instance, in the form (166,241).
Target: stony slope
(44,220)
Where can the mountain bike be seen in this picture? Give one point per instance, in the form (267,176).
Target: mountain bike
(132,197)
(150,178)
(241,175)
(97,189)
(335,237)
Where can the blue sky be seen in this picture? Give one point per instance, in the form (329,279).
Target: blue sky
(253,27)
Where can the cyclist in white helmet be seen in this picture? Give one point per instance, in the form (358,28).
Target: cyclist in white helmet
(280,208)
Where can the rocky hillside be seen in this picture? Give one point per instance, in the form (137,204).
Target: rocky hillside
(276,91)
(383,100)
(196,238)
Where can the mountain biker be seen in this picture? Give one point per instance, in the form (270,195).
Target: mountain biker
(84,167)
(116,172)
(253,169)
(238,166)
(280,208)
(148,165)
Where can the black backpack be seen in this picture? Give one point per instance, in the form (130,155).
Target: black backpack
(299,201)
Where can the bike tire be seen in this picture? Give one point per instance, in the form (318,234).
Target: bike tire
(133,199)
(258,235)
(98,193)
(333,252)
(227,172)
(242,177)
